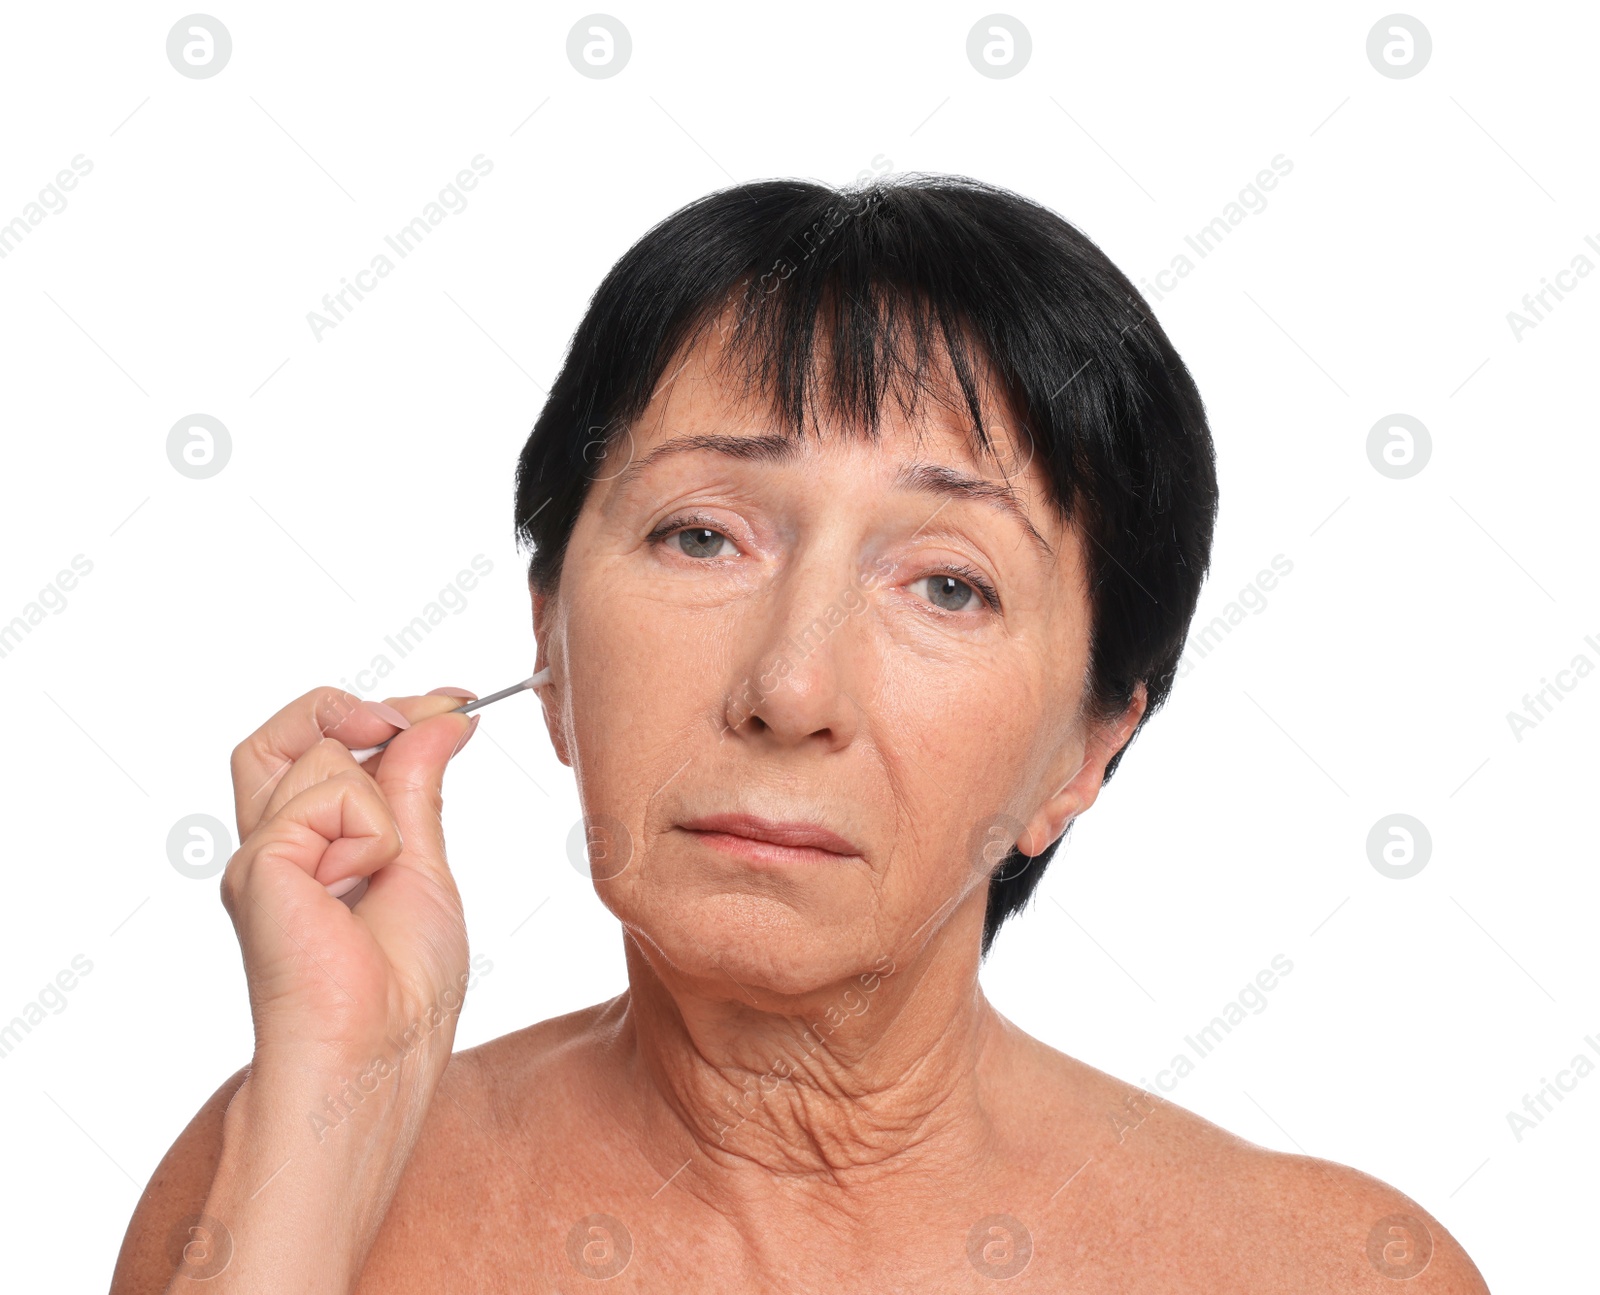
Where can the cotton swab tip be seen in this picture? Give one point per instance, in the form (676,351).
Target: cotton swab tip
(538,679)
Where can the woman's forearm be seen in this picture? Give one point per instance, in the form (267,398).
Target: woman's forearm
(295,1205)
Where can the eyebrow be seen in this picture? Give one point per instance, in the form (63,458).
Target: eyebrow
(937,479)
(924,478)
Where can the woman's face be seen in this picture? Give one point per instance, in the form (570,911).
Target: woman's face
(768,626)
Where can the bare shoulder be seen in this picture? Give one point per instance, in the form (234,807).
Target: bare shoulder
(1355,1232)
(167,1216)
(1192,1206)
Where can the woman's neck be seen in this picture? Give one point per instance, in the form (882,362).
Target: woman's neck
(845,1098)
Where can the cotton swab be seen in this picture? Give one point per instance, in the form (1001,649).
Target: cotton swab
(535,681)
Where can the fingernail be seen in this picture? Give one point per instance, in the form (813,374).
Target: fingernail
(453,692)
(337,888)
(388,714)
(472,727)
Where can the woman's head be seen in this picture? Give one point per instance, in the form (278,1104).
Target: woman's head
(885,509)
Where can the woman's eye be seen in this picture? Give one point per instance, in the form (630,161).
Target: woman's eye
(953,593)
(693,541)
(700,542)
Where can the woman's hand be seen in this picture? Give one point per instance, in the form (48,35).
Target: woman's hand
(334,986)
(354,1000)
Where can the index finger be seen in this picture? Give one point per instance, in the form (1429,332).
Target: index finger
(266,755)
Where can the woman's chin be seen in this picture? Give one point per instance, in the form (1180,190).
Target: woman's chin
(754,944)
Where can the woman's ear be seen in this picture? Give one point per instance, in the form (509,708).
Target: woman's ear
(543,615)
(1103,739)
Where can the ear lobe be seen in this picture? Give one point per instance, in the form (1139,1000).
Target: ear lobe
(550,708)
(557,735)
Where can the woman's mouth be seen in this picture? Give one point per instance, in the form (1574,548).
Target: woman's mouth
(762,840)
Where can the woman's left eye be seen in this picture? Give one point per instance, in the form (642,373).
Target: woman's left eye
(953,592)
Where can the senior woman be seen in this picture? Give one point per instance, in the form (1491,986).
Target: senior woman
(867,525)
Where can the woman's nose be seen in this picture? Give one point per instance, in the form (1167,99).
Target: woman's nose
(800,668)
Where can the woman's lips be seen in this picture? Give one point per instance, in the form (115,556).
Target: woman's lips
(770,841)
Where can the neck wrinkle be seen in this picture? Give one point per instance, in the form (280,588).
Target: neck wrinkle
(891,1097)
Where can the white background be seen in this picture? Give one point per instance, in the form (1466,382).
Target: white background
(370,466)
